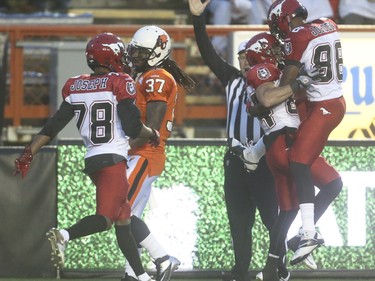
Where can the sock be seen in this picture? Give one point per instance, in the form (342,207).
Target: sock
(272,261)
(144,237)
(281,266)
(87,226)
(140,230)
(304,184)
(128,269)
(307,215)
(325,197)
(65,234)
(153,247)
(128,247)
(280,230)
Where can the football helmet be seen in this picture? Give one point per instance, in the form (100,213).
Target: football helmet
(107,50)
(263,47)
(280,14)
(150,46)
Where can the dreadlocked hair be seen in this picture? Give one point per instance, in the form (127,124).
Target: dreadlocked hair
(181,77)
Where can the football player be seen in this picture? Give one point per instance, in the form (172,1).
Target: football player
(308,45)
(157,78)
(280,123)
(103,104)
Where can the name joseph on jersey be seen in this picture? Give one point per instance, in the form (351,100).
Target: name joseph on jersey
(89,84)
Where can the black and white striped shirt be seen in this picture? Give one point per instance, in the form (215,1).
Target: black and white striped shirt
(239,125)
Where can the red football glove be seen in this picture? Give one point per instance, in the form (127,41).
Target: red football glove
(22,164)
(155,139)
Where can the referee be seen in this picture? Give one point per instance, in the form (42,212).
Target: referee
(244,191)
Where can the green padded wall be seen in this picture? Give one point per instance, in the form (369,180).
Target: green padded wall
(189,199)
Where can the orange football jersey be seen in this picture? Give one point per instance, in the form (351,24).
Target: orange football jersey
(156,85)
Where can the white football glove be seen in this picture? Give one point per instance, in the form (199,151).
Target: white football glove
(247,153)
(306,78)
(249,157)
(253,153)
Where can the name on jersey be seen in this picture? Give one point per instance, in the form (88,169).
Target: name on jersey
(89,84)
(323,28)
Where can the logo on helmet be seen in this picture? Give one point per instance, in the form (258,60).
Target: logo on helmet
(115,47)
(162,41)
(276,10)
(259,45)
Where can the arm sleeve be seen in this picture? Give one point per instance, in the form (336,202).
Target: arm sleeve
(130,117)
(222,69)
(58,121)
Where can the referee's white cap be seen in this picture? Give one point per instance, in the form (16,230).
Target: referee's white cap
(242,46)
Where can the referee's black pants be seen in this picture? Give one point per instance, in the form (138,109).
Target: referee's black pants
(244,192)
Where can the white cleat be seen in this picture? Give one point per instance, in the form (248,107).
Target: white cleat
(310,263)
(165,267)
(306,246)
(58,246)
(259,277)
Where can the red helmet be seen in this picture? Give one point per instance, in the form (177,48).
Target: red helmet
(107,50)
(263,47)
(280,14)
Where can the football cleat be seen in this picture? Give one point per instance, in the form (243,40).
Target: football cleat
(306,246)
(165,266)
(293,243)
(259,276)
(284,278)
(58,246)
(310,262)
(128,278)
(268,275)
(320,238)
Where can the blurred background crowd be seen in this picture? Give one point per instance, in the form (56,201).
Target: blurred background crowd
(219,12)
(230,11)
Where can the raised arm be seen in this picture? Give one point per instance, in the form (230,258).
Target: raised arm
(222,69)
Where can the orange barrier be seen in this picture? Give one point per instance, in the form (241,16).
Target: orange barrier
(16,110)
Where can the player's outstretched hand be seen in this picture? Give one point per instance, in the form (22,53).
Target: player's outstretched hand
(155,139)
(22,164)
(197,6)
